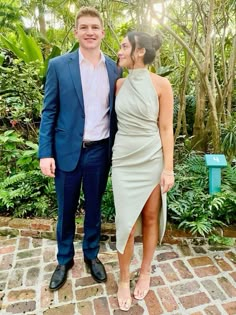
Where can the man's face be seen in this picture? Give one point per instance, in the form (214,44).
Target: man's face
(89,32)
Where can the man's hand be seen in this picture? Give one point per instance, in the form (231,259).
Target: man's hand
(47,166)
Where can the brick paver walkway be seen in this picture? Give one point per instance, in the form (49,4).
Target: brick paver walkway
(188,279)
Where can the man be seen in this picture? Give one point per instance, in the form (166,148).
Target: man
(76,135)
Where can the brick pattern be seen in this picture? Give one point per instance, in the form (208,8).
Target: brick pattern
(43,228)
(184,280)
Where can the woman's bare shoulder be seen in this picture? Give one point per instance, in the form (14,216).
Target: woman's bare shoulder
(161,84)
(161,81)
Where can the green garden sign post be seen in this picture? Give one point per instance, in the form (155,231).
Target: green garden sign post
(215,162)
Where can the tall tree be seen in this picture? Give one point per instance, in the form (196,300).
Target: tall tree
(213,19)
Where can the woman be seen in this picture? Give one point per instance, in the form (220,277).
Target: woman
(142,163)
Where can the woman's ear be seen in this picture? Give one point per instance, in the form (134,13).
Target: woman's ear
(141,52)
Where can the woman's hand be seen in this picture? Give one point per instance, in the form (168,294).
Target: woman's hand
(167,180)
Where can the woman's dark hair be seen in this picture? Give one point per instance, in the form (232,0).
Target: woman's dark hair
(144,40)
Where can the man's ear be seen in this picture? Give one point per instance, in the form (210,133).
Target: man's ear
(75,32)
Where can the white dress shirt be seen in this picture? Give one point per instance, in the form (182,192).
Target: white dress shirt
(95,87)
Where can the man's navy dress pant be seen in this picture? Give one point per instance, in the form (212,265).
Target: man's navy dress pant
(90,174)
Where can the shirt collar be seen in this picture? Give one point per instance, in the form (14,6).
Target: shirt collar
(82,58)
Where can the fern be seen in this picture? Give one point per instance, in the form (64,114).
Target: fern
(196,164)
(224,206)
(229,177)
(28,194)
(190,204)
(202,226)
(217,202)
(12,180)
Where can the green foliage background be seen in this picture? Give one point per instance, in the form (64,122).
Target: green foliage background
(24,55)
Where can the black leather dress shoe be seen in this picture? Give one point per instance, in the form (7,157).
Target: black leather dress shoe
(60,275)
(96,268)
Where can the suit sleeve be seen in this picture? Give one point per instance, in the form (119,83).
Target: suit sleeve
(114,127)
(49,113)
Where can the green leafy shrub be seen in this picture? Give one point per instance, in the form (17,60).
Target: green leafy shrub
(21,97)
(24,191)
(225,202)
(16,154)
(220,240)
(28,194)
(191,206)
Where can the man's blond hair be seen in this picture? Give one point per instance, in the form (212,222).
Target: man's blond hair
(88,11)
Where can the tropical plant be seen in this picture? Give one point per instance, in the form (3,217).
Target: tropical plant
(225,207)
(27,49)
(191,206)
(10,14)
(27,194)
(17,154)
(220,240)
(21,97)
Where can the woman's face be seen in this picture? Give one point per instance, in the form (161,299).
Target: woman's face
(124,54)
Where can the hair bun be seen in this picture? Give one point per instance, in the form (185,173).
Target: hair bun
(156,42)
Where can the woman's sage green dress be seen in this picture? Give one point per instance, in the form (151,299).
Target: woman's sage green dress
(137,160)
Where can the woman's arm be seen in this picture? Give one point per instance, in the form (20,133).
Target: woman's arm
(119,83)
(165,123)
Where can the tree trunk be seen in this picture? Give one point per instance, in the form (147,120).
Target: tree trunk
(209,73)
(199,131)
(181,121)
(231,77)
(41,18)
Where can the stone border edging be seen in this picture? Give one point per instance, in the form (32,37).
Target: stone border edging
(46,228)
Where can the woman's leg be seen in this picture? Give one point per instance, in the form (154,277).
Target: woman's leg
(150,231)
(123,294)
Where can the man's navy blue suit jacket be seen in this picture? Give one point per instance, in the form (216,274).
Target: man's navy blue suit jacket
(63,117)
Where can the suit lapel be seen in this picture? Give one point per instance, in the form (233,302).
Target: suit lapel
(73,63)
(112,75)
